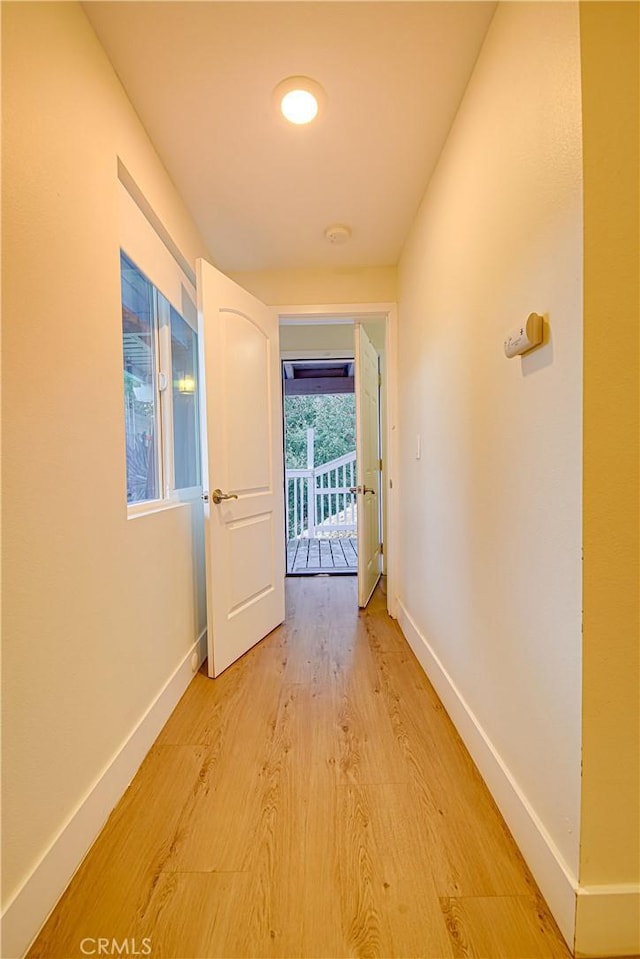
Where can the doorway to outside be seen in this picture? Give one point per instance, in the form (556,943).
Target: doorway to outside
(354,348)
(321,509)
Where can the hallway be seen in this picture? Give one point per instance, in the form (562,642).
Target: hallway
(314,801)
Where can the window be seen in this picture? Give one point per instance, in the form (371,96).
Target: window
(184,358)
(160,352)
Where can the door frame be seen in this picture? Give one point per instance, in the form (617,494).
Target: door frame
(332,313)
(289,356)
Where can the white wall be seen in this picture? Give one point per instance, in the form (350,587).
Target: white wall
(99,611)
(490,516)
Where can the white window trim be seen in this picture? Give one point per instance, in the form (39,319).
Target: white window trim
(149,506)
(165,399)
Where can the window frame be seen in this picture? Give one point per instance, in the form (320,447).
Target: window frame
(170,497)
(184,493)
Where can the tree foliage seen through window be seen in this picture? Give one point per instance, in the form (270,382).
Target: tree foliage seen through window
(332,416)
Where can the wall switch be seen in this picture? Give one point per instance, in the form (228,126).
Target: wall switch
(525,338)
(418,446)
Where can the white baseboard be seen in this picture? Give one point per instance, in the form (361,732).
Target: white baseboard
(31,906)
(608,921)
(556,882)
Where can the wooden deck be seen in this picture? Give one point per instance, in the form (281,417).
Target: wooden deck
(308,556)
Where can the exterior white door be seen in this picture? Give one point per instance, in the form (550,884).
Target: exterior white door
(367,386)
(242,467)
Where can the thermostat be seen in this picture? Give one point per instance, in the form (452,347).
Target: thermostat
(526,338)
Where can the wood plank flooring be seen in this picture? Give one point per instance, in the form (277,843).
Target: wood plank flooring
(314,801)
(313,555)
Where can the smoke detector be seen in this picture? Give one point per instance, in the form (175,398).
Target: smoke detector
(337,234)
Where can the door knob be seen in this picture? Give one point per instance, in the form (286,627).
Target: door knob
(367,489)
(354,489)
(217,496)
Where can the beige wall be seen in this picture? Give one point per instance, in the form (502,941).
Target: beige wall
(309,287)
(317,337)
(490,515)
(99,611)
(610,840)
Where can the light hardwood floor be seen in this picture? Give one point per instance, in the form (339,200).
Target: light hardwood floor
(314,801)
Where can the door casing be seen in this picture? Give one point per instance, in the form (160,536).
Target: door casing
(332,313)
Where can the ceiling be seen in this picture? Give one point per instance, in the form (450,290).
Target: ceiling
(201,77)
(318,377)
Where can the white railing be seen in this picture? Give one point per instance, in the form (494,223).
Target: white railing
(319,499)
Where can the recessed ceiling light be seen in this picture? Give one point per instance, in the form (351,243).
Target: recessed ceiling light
(299,99)
(299,106)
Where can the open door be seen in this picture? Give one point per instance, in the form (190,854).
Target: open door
(367,386)
(242,467)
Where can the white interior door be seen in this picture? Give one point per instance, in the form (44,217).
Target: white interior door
(367,385)
(242,460)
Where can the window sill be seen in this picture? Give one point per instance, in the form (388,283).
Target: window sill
(154,506)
